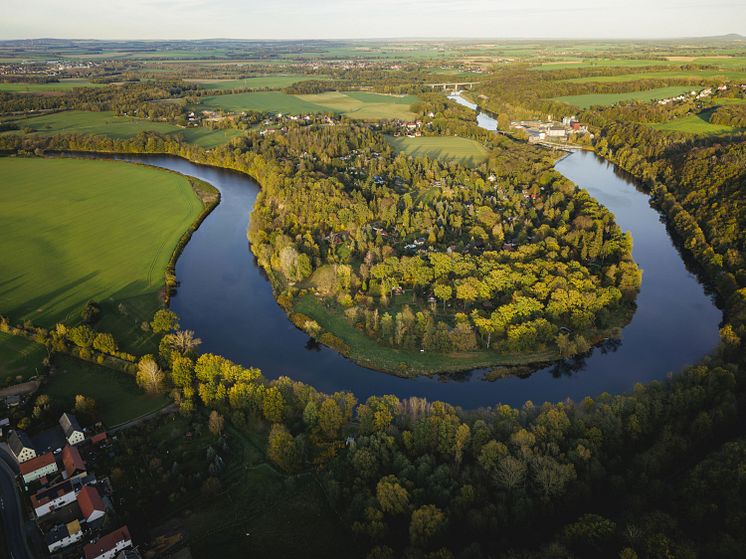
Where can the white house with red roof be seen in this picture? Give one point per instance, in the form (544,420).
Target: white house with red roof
(73,461)
(90,503)
(38,467)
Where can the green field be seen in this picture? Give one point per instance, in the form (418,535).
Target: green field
(365,106)
(62,85)
(460,150)
(678,74)
(117,396)
(261,101)
(590,99)
(108,124)
(19,357)
(76,230)
(598,63)
(260,82)
(698,124)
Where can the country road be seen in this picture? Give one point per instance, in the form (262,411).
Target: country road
(12,511)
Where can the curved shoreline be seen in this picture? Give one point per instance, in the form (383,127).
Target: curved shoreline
(228,301)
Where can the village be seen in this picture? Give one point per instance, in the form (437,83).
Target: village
(72,508)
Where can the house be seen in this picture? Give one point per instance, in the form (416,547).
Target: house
(52,498)
(38,467)
(129,554)
(91,504)
(63,535)
(73,461)
(108,546)
(21,446)
(72,429)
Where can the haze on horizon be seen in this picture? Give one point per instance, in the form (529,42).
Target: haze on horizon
(359,19)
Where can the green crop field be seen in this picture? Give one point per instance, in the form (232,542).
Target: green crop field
(598,63)
(118,398)
(698,124)
(260,82)
(460,150)
(118,127)
(19,357)
(76,230)
(261,101)
(678,74)
(364,106)
(62,85)
(590,99)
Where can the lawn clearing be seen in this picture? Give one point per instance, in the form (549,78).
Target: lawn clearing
(118,398)
(76,230)
(591,99)
(442,148)
(698,124)
(19,357)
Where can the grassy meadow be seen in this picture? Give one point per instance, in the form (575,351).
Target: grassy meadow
(19,358)
(442,148)
(62,85)
(588,100)
(258,82)
(698,124)
(117,396)
(76,230)
(360,105)
(107,123)
(673,74)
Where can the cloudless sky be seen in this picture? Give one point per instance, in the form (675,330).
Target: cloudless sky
(332,19)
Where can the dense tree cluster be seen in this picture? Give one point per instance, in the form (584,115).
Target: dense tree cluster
(421,254)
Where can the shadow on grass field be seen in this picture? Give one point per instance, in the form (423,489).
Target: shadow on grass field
(118,398)
(19,358)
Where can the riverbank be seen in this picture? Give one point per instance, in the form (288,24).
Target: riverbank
(226,299)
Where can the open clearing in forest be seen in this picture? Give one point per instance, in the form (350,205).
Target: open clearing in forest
(588,100)
(442,148)
(698,124)
(78,230)
(354,104)
(106,123)
(258,82)
(118,398)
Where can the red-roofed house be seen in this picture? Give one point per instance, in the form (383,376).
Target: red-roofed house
(38,467)
(90,503)
(99,438)
(108,546)
(73,461)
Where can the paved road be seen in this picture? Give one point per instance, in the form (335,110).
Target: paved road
(12,513)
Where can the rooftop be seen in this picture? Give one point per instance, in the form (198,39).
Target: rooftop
(37,463)
(106,543)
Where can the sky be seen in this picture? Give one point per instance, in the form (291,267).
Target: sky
(353,19)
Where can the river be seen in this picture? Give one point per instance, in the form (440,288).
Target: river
(226,299)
